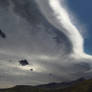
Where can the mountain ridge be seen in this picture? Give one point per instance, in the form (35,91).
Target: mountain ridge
(78,86)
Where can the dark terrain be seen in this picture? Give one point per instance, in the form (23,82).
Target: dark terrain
(80,85)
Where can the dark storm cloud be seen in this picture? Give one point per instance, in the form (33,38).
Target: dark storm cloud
(4,3)
(34,16)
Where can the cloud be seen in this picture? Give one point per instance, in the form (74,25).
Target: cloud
(41,32)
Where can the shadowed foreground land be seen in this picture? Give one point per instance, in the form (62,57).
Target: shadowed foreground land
(84,86)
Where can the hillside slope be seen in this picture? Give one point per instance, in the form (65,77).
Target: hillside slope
(84,86)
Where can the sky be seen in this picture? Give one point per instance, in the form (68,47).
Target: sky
(41,33)
(82,10)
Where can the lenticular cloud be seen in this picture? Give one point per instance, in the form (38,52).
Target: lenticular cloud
(39,44)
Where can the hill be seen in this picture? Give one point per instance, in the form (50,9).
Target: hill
(83,86)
